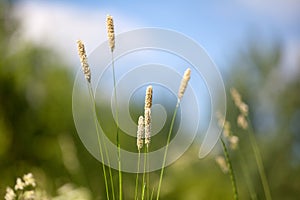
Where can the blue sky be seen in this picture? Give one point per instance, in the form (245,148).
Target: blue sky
(222,28)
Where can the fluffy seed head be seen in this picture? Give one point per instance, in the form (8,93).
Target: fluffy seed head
(242,122)
(110,32)
(140,133)
(236,97)
(224,124)
(147,126)
(220,160)
(83,59)
(184,82)
(148,97)
(233,142)
(243,109)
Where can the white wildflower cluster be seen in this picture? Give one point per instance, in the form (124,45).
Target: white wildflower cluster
(70,192)
(24,189)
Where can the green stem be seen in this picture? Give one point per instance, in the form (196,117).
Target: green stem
(148,174)
(231,172)
(117,122)
(144,175)
(98,136)
(152,193)
(166,150)
(246,172)
(259,162)
(137,176)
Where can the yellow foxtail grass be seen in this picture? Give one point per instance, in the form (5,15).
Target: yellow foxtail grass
(83,60)
(183,85)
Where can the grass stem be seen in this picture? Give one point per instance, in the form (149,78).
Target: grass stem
(98,137)
(259,162)
(137,176)
(117,122)
(231,172)
(166,150)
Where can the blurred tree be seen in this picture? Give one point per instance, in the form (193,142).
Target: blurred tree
(37,132)
(259,73)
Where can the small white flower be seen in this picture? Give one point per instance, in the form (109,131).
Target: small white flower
(19,184)
(29,180)
(29,195)
(10,194)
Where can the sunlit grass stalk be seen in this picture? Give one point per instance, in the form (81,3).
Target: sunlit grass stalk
(139,144)
(148,173)
(230,170)
(98,137)
(111,40)
(118,129)
(152,194)
(147,122)
(137,176)
(248,180)
(87,74)
(183,85)
(166,150)
(259,161)
(144,186)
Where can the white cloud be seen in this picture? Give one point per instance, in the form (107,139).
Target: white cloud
(60,25)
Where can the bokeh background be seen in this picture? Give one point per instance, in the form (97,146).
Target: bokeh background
(255,44)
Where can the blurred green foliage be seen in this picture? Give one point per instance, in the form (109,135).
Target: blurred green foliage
(37,132)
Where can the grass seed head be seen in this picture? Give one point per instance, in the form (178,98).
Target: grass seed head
(140,133)
(147,126)
(184,82)
(83,59)
(148,97)
(110,32)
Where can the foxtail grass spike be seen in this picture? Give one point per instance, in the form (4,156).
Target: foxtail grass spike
(140,133)
(184,82)
(147,117)
(110,32)
(148,97)
(83,59)
(147,126)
